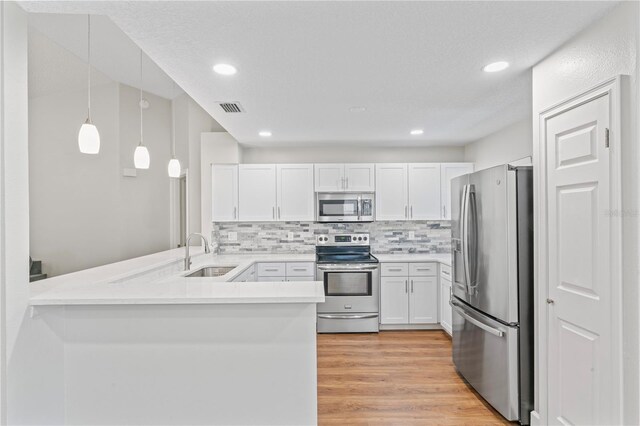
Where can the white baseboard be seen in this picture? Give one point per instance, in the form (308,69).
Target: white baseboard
(388,327)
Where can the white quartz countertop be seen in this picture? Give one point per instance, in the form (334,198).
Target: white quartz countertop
(159,279)
(444,258)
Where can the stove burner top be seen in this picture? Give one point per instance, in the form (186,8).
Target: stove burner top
(346,258)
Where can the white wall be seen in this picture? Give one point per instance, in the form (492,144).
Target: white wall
(84,212)
(355,154)
(34,391)
(216,148)
(506,145)
(607,49)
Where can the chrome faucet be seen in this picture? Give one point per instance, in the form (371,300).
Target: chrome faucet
(187,257)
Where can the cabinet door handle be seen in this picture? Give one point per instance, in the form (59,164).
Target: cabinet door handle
(411,212)
(411,286)
(278,212)
(444,212)
(406,286)
(235,212)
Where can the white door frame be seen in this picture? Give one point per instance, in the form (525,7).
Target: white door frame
(612,88)
(174,208)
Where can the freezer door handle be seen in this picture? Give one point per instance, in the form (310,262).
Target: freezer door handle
(465,236)
(475,322)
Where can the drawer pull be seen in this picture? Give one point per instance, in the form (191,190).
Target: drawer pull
(300,269)
(395,269)
(271,269)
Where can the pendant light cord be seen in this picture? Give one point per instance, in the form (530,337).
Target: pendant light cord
(140,102)
(89,67)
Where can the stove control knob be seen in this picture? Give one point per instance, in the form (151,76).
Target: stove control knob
(359,238)
(365,238)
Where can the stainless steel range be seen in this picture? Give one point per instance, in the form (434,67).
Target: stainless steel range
(351,278)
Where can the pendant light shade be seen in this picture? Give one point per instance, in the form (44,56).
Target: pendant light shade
(141,157)
(174,168)
(88,136)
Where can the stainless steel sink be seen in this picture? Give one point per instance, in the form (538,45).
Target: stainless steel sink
(211,271)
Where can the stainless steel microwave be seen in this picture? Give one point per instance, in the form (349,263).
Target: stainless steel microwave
(344,207)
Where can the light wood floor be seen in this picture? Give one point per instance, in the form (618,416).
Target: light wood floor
(395,378)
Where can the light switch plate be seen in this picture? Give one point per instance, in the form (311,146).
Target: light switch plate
(412,235)
(290,236)
(232,236)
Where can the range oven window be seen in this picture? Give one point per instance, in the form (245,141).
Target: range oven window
(338,207)
(348,283)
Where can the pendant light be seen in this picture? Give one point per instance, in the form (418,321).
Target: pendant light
(174,164)
(141,158)
(88,136)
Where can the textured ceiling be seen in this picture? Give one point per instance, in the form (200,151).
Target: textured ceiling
(302,65)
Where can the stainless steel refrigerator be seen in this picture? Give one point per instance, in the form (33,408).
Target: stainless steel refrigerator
(492,286)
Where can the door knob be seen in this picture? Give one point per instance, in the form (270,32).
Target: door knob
(551,301)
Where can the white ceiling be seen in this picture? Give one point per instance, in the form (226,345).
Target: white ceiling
(302,65)
(113,54)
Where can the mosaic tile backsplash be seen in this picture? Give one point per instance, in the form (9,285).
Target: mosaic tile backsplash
(386,237)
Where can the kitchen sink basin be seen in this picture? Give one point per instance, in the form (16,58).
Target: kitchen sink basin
(210,271)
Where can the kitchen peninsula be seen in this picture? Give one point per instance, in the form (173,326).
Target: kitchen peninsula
(139,342)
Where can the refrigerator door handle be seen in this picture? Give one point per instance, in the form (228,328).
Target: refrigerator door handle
(465,237)
(472,237)
(476,322)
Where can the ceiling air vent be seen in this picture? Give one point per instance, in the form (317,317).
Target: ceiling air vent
(231,107)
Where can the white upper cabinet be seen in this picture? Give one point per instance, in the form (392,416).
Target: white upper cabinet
(391,192)
(257,184)
(359,177)
(329,177)
(449,171)
(356,177)
(424,191)
(224,195)
(295,196)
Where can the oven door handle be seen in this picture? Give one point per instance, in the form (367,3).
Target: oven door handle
(347,316)
(342,268)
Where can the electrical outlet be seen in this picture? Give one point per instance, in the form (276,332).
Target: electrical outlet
(412,235)
(290,236)
(232,236)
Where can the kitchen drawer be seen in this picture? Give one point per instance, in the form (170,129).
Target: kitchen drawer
(262,278)
(445,272)
(272,269)
(423,269)
(307,278)
(301,269)
(394,269)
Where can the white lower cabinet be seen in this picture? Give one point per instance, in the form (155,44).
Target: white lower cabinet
(445,295)
(394,306)
(411,298)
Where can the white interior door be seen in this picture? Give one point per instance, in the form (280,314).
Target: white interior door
(424,191)
(295,192)
(359,177)
(224,192)
(582,364)
(257,188)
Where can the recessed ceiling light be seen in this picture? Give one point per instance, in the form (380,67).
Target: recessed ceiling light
(496,66)
(265,133)
(417,132)
(357,109)
(224,69)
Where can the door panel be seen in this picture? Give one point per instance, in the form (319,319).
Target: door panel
(581,367)
(423,300)
(224,195)
(295,192)
(329,177)
(257,183)
(394,303)
(424,191)
(359,177)
(391,192)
